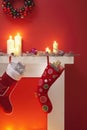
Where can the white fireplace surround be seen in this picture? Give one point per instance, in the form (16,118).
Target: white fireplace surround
(35,66)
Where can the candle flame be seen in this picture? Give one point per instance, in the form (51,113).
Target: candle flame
(48,50)
(10,37)
(18,34)
(55,42)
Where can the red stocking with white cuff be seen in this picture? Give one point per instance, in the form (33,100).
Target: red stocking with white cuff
(8,81)
(51,73)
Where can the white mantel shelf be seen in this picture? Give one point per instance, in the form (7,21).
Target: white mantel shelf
(35,66)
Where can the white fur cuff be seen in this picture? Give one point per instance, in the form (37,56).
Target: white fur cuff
(13,73)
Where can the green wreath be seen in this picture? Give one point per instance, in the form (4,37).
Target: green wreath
(8,8)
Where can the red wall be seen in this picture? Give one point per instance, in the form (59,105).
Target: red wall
(65,22)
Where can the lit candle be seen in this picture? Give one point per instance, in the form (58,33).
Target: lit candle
(55,47)
(48,50)
(18,44)
(10,45)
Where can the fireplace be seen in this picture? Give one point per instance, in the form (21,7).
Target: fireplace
(27,114)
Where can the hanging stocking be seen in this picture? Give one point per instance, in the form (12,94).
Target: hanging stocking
(8,81)
(51,73)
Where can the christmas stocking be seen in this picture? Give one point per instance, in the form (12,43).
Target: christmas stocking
(51,73)
(8,81)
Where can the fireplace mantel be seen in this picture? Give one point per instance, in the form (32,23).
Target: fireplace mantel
(34,67)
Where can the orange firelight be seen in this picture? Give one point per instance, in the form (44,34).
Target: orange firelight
(9,128)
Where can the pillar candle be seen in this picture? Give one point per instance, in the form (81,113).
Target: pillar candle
(55,47)
(18,44)
(10,45)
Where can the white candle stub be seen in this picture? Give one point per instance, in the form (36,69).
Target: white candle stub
(48,50)
(10,45)
(55,47)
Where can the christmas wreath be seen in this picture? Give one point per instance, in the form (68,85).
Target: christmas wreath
(21,12)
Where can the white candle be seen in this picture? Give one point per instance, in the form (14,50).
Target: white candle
(48,50)
(18,44)
(10,45)
(55,47)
